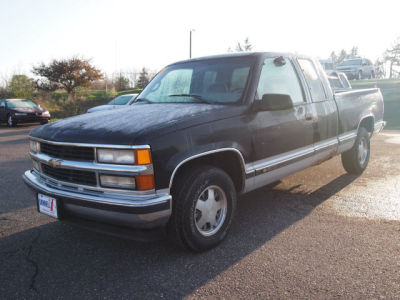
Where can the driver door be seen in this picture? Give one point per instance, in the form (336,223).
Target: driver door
(284,139)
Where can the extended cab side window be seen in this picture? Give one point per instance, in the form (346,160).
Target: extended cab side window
(280,79)
(314,82)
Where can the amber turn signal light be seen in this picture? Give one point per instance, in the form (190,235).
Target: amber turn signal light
(145,182)
(143,157)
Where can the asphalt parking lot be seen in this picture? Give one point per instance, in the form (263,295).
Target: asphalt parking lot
(317,234)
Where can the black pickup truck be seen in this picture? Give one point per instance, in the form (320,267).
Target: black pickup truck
(202,132)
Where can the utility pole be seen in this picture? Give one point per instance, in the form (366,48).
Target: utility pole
(190,43)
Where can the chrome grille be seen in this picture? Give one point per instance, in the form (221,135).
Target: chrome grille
(68,152)
(75,176)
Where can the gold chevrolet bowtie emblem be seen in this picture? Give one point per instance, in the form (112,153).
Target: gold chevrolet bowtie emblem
(55,162)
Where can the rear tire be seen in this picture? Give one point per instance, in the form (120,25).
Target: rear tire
(355,160)
(204,203)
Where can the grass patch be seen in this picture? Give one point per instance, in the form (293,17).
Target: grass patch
(390,89)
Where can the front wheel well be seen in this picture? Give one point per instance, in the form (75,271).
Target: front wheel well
(229,161)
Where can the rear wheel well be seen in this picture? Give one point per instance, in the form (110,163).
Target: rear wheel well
(229,161)
(368,124)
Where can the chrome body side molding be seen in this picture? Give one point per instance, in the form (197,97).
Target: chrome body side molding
(346,141)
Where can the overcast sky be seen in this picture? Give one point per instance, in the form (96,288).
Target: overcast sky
(126,35)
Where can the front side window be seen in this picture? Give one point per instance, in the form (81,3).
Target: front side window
(313,81)
(221,81)
(279,78)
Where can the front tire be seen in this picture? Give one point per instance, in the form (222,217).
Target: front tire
(204,202)
(356,159)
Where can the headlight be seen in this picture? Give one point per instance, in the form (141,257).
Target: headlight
(123,182)
(116,156)
(34,146)
(46,113)
(20,114)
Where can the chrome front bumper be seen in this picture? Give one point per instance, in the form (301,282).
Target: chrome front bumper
(141,211)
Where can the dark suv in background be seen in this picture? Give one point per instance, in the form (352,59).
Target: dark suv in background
(357,68)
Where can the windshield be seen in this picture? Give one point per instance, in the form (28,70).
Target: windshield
(120,100)
(219,81)
(353,62)
(21,103)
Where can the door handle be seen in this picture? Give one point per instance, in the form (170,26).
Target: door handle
(308,117)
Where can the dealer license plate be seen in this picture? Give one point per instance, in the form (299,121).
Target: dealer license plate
(48,205)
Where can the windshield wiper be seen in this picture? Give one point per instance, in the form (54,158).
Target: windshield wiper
(195,96)
(143,100)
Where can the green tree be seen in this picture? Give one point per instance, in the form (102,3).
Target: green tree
(392,55)
(246,46)
(353,52)
(342,56)
(121,83)
(143,79)
(20,86)
(68,74)
(334,58)
(379,68)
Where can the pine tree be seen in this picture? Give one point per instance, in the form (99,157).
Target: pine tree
(143,79)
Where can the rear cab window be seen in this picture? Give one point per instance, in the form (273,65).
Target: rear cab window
(313,80)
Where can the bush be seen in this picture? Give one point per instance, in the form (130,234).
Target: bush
(58,106)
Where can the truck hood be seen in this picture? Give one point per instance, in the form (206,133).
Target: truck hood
(104,107)
(136,124)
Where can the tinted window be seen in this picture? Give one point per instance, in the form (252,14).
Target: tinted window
(280,79)
(314,83)
(335,82)
(344,80)
(351,62)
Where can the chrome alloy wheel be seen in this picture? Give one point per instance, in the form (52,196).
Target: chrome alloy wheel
(210,211)
(362,151)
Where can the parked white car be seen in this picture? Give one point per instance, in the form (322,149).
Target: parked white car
(117,102)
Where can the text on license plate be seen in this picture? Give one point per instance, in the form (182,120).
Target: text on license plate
(48,205)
